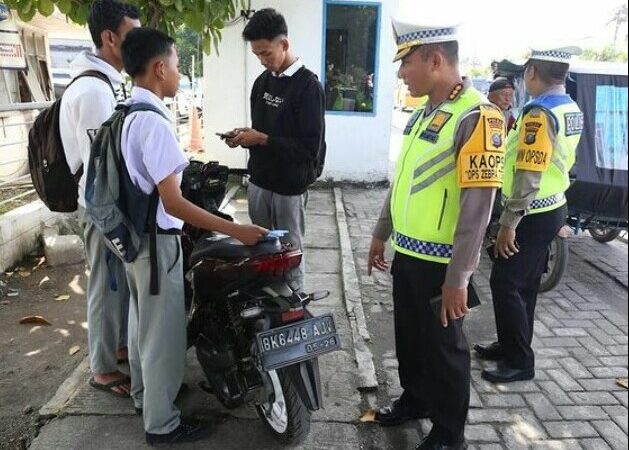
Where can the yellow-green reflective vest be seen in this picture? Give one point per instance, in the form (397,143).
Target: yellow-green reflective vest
(425,194)
(567,119)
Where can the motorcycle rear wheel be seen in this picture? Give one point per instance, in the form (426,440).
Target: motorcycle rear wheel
(287,418)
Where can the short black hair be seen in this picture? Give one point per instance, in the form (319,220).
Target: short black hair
(550,72)
(140,47)
(265,24)
(450,50)
(108,15)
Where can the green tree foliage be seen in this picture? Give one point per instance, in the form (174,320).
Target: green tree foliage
(609,53)
(205,17)
(189,46)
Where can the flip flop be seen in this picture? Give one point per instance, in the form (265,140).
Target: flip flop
(108,387)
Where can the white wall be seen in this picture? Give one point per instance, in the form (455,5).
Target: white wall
(358,146)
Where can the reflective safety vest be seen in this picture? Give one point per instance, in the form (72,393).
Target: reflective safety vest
(529,147)
(427,186)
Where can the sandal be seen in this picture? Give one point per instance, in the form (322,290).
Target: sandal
(109,386)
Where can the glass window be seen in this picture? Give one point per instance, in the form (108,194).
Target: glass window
(611,127)
(351,39)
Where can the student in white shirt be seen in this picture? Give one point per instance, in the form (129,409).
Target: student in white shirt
(154,159)
(86,104)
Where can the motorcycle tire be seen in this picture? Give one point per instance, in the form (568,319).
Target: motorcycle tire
(604,234)
(557,264)
(298,417)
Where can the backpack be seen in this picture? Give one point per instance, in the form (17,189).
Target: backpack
(114,204)
(55,184)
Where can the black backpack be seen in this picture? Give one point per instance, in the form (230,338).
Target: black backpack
(55,184)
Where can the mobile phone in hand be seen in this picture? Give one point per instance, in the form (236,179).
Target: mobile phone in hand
(473,300)
(227,135)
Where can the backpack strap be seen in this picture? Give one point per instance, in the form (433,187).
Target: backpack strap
(101,76)
(151,222)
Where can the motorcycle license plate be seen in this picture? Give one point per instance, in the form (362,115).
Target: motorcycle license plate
(297,342)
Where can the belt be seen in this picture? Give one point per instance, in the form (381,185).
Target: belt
(169,232)
(423,247)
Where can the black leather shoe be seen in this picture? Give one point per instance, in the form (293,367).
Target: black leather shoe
(397,414)
(431,443)
(505,374)
(185,432)
(491,352)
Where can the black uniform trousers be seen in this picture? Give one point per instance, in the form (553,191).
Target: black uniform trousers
(515,285)
(434,362)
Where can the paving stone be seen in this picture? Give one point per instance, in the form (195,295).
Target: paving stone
(542,330)
(594,444)
(593,398)
(618,350)
(543,408)
(573,323)
(481,433)
(593,346)
(564,380)
(602,337)
(617,361)
(593,306)
(488,416)
(609,372)
(612,434)
(616,411)
(572,332)
(555,394)
(475,400)
(622,398)
(504,400)
(582,412)
(547,363)
(616,318)
(575,368)
(563,444)
(548,319)
(490,447)
(608,327)
(563,430)
(600,384)
(622,421)
(585,315)
(586,358)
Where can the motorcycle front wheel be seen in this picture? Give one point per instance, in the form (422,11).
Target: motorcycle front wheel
(286,417)
(557,264)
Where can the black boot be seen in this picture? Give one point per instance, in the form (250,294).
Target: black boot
(505,374)
(491,352)
(397,414)
(432,443)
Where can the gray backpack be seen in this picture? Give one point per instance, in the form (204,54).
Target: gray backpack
(116,207)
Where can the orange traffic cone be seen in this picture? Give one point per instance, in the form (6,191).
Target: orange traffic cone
(196,141)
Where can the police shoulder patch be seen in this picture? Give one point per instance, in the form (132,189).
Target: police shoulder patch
(534,143)
(574,123)
(481,159)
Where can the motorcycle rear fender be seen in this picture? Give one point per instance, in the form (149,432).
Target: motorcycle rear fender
(307,379)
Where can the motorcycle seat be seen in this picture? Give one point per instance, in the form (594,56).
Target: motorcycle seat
(227,248)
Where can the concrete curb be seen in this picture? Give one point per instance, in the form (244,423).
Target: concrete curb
(353,302)
(65,391)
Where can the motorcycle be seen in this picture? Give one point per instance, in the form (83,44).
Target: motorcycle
(256,341)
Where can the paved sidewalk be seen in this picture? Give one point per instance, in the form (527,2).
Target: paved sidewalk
(89,419)
(574,403)
(580,340)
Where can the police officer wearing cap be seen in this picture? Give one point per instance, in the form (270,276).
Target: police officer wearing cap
(437,210)
(541,150)
(501,94)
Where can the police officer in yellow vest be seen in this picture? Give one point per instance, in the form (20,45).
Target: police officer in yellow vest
(540,153)
(439,206)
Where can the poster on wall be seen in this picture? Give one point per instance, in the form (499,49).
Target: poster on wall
(11,49)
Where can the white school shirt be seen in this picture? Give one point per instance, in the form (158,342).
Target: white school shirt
(151,150)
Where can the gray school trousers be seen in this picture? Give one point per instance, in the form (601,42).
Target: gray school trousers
(157,334)
(107,301)
(281,212)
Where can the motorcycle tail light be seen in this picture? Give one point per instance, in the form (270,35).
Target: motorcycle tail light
(277,265)
(293,315)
